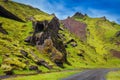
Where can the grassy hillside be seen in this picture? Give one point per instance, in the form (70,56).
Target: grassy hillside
(95,51)
(100,48)
(12,43)
(21,10)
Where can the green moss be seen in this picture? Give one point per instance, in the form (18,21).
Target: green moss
(12,43)
(97,46)
(113,75)
(43,17)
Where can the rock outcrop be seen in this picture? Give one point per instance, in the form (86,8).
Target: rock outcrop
(76,27)
(78,14)
(45,38)
(115,53)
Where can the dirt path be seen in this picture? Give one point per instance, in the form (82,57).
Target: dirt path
(94,74)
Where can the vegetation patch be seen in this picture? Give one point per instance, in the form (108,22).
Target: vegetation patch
(113,75)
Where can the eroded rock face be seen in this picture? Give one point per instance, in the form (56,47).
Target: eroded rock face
(76,27)
(45,37)
(2,30)
(78,14)
(115,53)
(33,67)
(24,53)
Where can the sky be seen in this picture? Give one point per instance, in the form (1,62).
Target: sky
(65,8)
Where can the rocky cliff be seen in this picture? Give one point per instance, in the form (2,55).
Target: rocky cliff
(45,38)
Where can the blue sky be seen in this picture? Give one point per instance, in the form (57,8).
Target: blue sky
(64,8)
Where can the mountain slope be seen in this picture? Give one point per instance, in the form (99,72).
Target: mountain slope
(32,40)
(101,46)
(16,56)
(24,12)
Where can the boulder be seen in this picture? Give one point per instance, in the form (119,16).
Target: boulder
(73,44)
(28,39)
(44,63)
(24,53)
(9,72)
(70,41)
(33,67)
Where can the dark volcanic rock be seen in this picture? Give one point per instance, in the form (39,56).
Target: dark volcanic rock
(9,72)
(44,63)
(73,44)
(46,33)
(32,67)
(24,53)
(7,14)
(28,39)
(72,40)
(78,14)
(41,62)
(76,27)
(115,53)
(2,30)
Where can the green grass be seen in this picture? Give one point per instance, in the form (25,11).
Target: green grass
(47,76)
(12,43)
(97,46)
(113,75)
(100,39)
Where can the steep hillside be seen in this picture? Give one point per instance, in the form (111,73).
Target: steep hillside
(17,56)
(101,46)
(33,41)
(23,12)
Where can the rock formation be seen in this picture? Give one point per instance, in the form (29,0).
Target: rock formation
(78,14)
(45,37)
(76,27)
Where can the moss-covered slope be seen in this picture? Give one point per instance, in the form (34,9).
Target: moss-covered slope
(82,41)
(15,54)
(22,11)
(101,47)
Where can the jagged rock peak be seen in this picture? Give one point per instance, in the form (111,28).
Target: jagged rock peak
(78,14)
(68,17)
